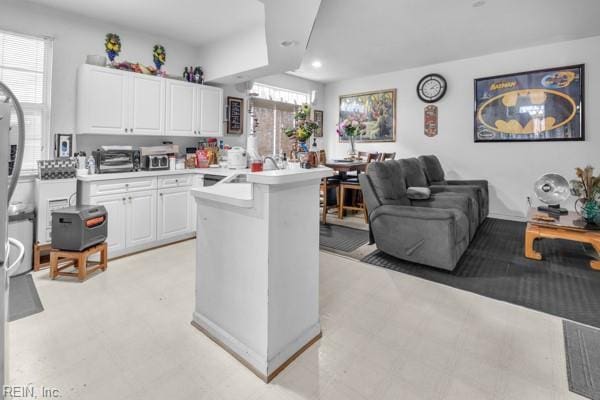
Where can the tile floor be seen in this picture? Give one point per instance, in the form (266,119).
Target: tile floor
(126,334)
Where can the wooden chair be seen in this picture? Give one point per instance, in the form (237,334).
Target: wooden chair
(386,156)
(352,184)
(79,260)
(327,183)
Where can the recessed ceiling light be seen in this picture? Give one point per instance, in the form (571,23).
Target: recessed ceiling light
(288,43)
(317,64)
(478,3)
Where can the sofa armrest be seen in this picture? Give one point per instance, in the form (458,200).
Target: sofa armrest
(452,200)
(411,212)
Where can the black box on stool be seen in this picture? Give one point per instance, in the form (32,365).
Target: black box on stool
(79,227)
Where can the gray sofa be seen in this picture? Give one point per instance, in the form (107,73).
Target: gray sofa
(415,176)
(436,178)
(433,231)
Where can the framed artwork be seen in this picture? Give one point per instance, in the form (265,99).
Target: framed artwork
(318,118)
(376,109)
(532,106)
(235,115)
(63,145)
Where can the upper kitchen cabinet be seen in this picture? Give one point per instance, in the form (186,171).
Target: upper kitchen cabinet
(102,105)
(181,108)
(111,101)
(211,111)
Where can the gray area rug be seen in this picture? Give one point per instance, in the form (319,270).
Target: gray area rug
(341,239)
(23,298)
(582,347)
(562,284)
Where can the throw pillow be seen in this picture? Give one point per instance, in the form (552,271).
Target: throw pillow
(418,193)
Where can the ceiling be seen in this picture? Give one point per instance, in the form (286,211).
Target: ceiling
(355,38)
(196,22)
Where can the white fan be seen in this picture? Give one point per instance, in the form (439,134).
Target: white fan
(552,189)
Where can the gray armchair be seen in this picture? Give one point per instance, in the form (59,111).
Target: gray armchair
(436,177)
(415,177)
(433,232)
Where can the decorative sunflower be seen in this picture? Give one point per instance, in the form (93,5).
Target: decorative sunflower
(159,55)
(112,45)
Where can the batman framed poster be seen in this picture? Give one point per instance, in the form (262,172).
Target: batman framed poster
(542,105)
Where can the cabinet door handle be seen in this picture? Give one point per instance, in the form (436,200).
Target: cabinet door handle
(124,199)
(125,130)
(131,130)
(161,194)
(129,199)
(176,180)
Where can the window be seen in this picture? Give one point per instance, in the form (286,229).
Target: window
(25,69)
(274,108)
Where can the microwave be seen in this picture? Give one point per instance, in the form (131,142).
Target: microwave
(108,161)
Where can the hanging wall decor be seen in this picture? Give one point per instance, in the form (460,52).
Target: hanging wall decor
(318,117)
(431,121)
(159,56)
(376,109)
(533,106)
(112,46)
(235,115)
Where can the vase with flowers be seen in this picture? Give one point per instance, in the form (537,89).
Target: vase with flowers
(304,127)
(587,189)
(351,127)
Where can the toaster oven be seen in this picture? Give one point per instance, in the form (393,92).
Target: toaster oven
(108,161)
(155,162)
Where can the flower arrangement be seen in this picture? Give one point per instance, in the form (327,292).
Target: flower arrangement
(303,127)
(587,189)
(159,55)
(112,45)
(351,127)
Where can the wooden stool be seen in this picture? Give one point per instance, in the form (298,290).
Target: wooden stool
(79,260)
(41,256)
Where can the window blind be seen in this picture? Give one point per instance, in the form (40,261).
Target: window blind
(24,69)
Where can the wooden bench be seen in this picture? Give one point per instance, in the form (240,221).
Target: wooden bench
(79,260)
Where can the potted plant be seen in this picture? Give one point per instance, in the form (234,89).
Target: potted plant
(303,127)
(587,189)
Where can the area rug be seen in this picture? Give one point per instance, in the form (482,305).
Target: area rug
(561,284)
(23,298)
(582,348)
(341,239)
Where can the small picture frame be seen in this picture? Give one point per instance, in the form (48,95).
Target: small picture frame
(235,115)
(318,117)
(63,145)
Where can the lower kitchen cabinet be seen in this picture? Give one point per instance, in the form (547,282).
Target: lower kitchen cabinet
(141,218)
(173,212)
(116,207)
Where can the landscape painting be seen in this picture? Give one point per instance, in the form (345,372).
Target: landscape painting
(542,105)
(376,109)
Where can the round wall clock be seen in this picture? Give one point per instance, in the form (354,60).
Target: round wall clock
(431,88)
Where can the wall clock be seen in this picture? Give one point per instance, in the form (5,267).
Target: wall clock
(431,88)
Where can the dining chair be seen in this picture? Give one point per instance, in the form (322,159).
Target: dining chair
(327,184)
(352,184)
(386,156)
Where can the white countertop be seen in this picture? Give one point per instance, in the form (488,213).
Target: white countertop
(141,174)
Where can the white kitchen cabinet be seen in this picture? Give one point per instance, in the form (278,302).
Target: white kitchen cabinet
(173,212)
(102,100)
(210,120)
(141,218)
(147,105)
(111,101)
(116,206)
(181,109)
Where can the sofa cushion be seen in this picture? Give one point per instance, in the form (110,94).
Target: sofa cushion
(433,169)
(418,193)
(388,182)
(413,172)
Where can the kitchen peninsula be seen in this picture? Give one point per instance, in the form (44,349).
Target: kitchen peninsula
(257,265)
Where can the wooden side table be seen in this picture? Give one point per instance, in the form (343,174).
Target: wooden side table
(80,261)
(567,227)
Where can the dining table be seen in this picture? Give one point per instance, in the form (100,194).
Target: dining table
(342,167)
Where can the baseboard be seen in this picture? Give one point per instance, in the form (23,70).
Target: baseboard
(150,246)
(251,360)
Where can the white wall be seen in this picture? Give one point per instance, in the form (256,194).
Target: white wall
(511,168)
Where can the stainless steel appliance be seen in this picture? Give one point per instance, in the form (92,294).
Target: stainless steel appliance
(155,162)
(210,180)
(108,161)
(8,105)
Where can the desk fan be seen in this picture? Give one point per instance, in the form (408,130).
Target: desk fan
(552,189)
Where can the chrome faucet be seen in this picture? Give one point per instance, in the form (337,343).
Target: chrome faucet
(272,160)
